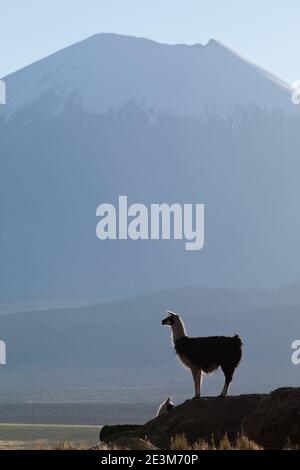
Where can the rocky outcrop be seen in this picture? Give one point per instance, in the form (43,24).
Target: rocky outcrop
(269,420)
(207,418)
(112,433)
(276,421)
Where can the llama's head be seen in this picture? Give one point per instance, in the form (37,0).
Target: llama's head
(170,319)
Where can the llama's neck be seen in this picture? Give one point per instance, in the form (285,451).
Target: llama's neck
(178,329)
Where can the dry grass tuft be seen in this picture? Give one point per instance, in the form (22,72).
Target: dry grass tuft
(67,445)
(241,443)
(179,442)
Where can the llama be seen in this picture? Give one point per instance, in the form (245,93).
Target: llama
(165,407)
(205,355)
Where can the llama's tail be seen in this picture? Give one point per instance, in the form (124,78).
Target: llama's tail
(237,349)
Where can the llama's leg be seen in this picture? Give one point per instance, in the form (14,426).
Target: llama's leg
(197,374)
(199,381)
(194,373)
(228,372)
(225,389)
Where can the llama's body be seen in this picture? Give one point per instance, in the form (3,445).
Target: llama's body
(209,353)
(165,407)
(205,355)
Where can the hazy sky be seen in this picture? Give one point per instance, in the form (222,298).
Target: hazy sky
(265,31)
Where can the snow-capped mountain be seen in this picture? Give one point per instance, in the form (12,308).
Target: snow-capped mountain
(106,71)
(114,116)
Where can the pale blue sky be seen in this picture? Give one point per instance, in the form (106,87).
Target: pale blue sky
(264,31)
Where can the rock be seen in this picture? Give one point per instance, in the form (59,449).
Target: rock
(111,433)
(276,419)
(271,421)
(206,418)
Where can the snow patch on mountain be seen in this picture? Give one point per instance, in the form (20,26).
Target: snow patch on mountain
(106,71)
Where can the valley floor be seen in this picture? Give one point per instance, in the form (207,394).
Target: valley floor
(44,436)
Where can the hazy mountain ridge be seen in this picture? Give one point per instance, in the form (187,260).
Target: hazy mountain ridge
(122,345)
